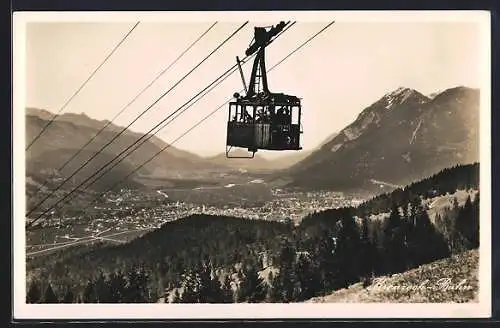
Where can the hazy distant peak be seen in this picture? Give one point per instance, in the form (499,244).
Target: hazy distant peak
(41,113)
(456,92)
(460,88)
(236,152)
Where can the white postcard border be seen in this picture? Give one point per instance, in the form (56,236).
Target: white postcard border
(249,311)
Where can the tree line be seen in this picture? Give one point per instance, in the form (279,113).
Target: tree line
(215,259)
(352,250)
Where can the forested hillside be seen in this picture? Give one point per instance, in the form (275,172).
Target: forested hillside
(440,275)
(205,258)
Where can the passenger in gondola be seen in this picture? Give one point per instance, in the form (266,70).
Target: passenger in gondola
(288,117)
(265,116)
(279,119)
(271,110)
(247,118)
(260,116)
(268,116)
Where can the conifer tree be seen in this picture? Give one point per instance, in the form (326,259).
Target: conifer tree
(455,208)
(117,287)
(448,230)
(430,243)
(252,288)
(176,298)
(393,242)
(89,294)
(102,289)
(325,259)
(475,222)
(191,289)
(287,278)
(227,290)
(34,293)
(210,289)
(467,225)
(378,255)
(348,248)
(49,296)
(137,290)
(367,254)
(68,296)
(307,278)
(275,289)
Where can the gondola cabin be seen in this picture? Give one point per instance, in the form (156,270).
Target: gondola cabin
(266,125)
(262,119)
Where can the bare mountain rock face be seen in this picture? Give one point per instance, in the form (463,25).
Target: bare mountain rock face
(402,137)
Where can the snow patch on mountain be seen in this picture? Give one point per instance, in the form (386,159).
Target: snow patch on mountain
(413,135)
(385,183)
(399,96)
(389,103)
(335,147)
(371,116)
(351,133)
(406,157)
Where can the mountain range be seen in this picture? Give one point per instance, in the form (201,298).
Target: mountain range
(69,132)
(258,163)
(401,137)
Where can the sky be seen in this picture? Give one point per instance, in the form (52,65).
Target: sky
(338,74)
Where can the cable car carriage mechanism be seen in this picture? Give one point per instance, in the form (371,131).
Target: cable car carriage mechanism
(262,119)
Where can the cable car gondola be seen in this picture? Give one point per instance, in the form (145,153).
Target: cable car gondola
(262,119)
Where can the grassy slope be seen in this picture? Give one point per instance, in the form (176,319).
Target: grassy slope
(456,268)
